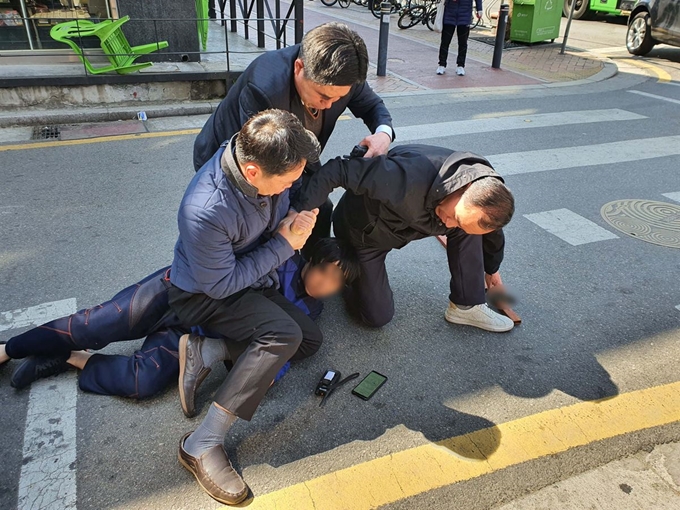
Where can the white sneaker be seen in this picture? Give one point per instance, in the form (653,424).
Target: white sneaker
(460,71)
(479,316)
(441,70)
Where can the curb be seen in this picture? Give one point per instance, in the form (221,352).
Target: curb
(609,71)
(77,115)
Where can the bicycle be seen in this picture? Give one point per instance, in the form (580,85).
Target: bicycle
(343,3)
(415,14)
(374,5)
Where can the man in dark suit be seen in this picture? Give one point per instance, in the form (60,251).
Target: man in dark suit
(414,192)
(316,81)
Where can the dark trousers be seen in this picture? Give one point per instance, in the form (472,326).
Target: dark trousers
(141,310)
(269,329)
(447,35)
(370,297)
(150,370)
(133,313)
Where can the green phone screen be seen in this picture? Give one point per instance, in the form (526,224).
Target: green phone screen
(369,385)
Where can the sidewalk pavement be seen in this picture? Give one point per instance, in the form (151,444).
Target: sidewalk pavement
(412,61)
(413,56)
(643,481)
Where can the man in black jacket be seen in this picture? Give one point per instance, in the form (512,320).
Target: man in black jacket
(417,191)
(316,80)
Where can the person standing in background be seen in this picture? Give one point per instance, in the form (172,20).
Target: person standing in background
(457,18)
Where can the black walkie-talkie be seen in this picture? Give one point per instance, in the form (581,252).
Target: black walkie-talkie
(359,151)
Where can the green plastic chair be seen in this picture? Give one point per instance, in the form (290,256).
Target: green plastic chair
(202,22)
(114,43)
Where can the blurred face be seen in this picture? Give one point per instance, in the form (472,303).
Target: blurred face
(268,185)
(323,280)
(313,95)
(454,213)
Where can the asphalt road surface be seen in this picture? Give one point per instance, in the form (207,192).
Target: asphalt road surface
(600,308)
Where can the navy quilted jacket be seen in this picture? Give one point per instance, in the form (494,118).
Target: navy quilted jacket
(227,233)
(459,12)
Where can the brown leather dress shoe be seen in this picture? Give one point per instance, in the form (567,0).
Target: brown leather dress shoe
(192,372)
(215,474)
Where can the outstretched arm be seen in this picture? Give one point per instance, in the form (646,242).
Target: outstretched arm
(381,178)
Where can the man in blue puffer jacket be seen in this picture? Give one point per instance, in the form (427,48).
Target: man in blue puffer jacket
(457,18)
(235,229)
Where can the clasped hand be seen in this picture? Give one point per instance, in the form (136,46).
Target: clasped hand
(297,227)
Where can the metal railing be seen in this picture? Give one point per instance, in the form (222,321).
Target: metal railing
(278,23)
(267,27)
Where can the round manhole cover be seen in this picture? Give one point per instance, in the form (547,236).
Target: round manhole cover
(653,222)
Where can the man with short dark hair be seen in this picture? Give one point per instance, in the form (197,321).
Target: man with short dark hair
(418,191)
(235,229)
(315,80)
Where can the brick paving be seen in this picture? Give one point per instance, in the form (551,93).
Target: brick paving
(413,56)
(391,84)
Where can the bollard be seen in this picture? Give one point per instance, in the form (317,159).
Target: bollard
(566,32)
(500,36)
(385,8)
(299,20)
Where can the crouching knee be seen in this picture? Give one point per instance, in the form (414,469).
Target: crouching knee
(378,318)
(289,337)
(311,343)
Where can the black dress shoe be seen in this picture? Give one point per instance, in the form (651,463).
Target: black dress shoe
(215,474)
(38,367)
(192,372)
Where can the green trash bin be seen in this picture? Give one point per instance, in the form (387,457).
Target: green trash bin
(535,20)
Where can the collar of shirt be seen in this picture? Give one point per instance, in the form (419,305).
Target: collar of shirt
(233,172)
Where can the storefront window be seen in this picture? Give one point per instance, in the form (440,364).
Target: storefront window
(26,24)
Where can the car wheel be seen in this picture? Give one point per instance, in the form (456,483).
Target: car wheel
(639,36)
(581,10)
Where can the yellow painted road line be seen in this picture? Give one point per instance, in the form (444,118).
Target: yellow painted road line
(662,75)
(102,139)
(417,470)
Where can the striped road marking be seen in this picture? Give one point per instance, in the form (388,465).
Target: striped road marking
(570,227)
(48,471)
(515,163)
(661,74)
(654,96)
(488,125)
(36,315)
(673,196)
(417,470)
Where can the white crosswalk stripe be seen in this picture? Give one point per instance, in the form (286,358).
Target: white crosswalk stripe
(23,317)
(48,470)
(544,160)
(673,196)
(570,227)
(512,122)
(654,96)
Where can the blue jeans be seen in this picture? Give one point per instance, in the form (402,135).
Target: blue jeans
(138,311)
(143,310)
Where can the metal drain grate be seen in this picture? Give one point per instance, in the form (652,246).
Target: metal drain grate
(45,133)
(647,220)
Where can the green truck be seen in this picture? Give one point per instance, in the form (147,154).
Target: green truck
(587,9)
